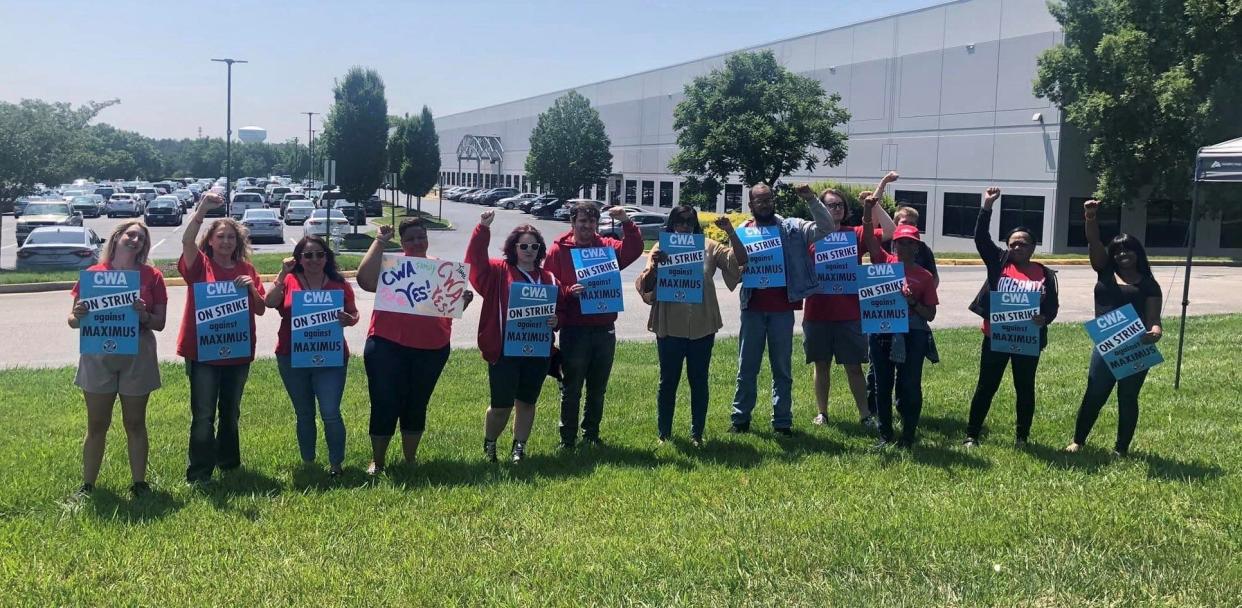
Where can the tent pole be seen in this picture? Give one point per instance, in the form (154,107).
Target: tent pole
(1190,252)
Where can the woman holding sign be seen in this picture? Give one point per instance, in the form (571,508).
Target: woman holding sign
(313,269)
(516,348)
(896,358)
(217,336)
(102,377)
(1010,271)
(404,354)
(686,330)
(1123,277)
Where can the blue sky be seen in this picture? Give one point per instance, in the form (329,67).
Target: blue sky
(451,56)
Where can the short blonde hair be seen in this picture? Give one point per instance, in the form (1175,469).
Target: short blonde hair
(120,229)
(908,211)
(241,252)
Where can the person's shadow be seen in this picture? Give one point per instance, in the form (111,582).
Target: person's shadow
(1159,467)
(153,506)
(238,484)
(539,465)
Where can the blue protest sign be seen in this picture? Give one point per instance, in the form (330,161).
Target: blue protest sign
(222,316)
(111,326)
(1118,338)
(884,308)
(1009,322)
(526,321)
(597,271)
(318,340)
(766,265)
(836,263)
(680,278)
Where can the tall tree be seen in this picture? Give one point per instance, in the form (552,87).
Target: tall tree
(757,119)
(569,149)
(1148,82)
(357,133)
(421,167)
(399,127)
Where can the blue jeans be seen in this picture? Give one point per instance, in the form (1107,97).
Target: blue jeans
(697,355)
(304,385)
(906,379)
(215,390)
(775,331)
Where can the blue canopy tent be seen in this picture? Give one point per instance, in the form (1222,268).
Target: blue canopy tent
(1219,163)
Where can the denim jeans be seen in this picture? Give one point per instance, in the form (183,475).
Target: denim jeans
(775,331)
(906,379)
(697,355)
(992,366)
(587,353)
(1100,382)
(215,390)
(305,385)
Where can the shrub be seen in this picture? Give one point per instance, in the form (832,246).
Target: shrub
(712,232)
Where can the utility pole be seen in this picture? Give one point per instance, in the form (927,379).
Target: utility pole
(310,142)
(228,129)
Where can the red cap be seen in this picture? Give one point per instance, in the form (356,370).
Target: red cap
(906,231)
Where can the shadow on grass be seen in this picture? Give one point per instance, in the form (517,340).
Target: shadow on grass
(805,444)
(723,452)
(1165,469)
(241,483)
(951,429)
(1087,460)
(537,466)
(156,505)
(313,478)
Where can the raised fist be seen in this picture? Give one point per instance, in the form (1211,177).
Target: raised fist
(287,265)
(990,195)
(385,233)
(722,222)
(618,215)
(890,177)
(486,217)
(1090,208)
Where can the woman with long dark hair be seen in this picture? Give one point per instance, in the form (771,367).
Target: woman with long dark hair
(312,268)
(1123,276)
(685,333)
(1009,270)
(514,382)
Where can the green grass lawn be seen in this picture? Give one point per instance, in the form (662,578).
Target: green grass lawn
(433,223)
(265,263)
(819,520)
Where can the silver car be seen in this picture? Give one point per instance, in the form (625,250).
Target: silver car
(45,213)
(59,247)
(130,205)
(298,211)
(263,224)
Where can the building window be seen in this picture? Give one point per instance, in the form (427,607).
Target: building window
(960,212)
(1108,218)
(915,199)
(666,194)
(1231,228)
(733,198)
(1167,223)
(631,192)
(524,184)
(601,191)
(1025,211)
(648,193)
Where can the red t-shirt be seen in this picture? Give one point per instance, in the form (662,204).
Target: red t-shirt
(284,339)
(151,286)
(920,283)
(1013,278)
(411,331)
(837,307)
(206,271)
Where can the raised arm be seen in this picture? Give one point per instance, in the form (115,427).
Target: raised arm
(879,216)
(189,246)
(476,254)
(631,247)
(1095,247)
(988,251)
(869,242)
(369,268)
(276,297)
(824,224)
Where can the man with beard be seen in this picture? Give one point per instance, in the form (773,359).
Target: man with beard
(768,312)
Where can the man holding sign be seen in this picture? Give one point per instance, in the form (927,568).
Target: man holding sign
(779,275)
(1123,279)
(588,337)
(515,328)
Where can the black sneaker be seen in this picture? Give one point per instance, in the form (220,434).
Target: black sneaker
(697,441)
(139,489)
(593,440)
(519,451)
(489,450)
(662,439)
(870,422)
(970,442)
(738,429)
(905,443)
(566,446)
(783,431)
(1019,443)
(84,490)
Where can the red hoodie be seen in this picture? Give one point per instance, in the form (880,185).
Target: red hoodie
(561,263)
(492,278)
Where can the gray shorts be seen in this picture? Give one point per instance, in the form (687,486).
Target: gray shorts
(840,341)
(124,374)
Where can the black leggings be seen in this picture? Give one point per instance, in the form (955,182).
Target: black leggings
(991,370)
(1100,382)
(400,380)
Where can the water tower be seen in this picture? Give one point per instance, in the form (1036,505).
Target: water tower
(252,135)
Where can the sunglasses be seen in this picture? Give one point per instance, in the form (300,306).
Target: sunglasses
(314,255)
(529,246)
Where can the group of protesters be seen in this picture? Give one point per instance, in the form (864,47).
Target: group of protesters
(405,355)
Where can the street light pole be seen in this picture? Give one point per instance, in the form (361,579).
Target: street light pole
(310,145)
(228,142)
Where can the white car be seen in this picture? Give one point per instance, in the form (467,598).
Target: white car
(130,205)
(513,201)
(298,211)
(59,247)
(263,224)
(318,222)
(243,201)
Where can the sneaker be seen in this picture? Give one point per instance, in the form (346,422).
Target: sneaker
(84,490)
(739,428)
(905,443)
(519,451)
(566,446)
(870,422)
(375,469)
(335,472)
(1073,447)
(882,444)
(489,450)
(1019,443)
(1120,453)
(139,489)
(696,441)
(820,420)
(593,441)
(783,431)
(663,439)
(970,442)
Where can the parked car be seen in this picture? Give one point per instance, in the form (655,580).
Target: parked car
(495,194)
(298,211)
(547,208)
(129,205)
(185,196)
(164,210)
(243,201)
(512,202)
(147,193)
(630,209)
(46,213)
(374,206)
(286,199)
(263,224)
(88,206)
(275,193)
(59,247)
(649,224)
(19,206)
(477,197)
(320,222)
(529,205)
(107,191)
(262,192)
(460,194)
(448,193)
(356,213)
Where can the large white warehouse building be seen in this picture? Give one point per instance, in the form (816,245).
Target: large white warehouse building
(942,95)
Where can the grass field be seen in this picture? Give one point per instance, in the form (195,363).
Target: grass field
(818,520)
(265,263)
